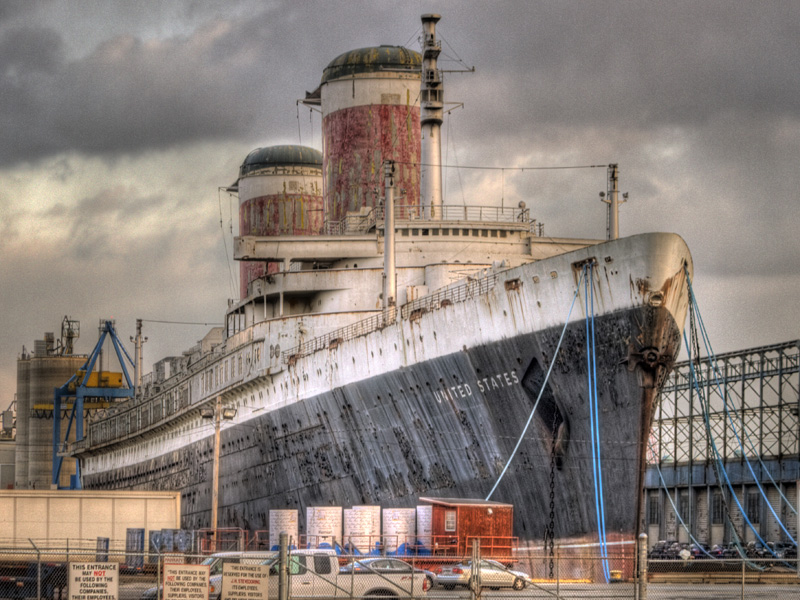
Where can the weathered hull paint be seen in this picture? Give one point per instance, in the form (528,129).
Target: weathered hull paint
(392,438)
(430,405)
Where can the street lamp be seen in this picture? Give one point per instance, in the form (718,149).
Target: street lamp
(218,414)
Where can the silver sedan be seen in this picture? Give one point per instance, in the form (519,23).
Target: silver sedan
(492,575)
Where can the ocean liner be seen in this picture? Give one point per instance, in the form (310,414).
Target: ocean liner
(390,345)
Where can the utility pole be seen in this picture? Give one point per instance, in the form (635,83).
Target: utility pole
(215,476)
(218,414)
(389,270)
(137,366)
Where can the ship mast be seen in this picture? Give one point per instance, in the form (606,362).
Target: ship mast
(431,117)
(613,201)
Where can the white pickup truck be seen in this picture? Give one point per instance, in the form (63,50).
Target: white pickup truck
(316,574)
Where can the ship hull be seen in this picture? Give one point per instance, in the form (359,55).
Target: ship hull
(392,438)
(444,423)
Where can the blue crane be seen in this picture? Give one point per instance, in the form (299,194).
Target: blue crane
(87,390)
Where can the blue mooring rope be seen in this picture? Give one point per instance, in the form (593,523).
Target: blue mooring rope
(594,422)
(712,358)
(544,385)
(675,509)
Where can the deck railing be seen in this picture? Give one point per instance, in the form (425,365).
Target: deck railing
(334,338)
(403,213)
(410,310)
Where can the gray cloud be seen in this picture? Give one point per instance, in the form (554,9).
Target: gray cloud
(697,102)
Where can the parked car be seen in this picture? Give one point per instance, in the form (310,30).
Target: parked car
(389,566)
(657,550)
(493,575)
(716,551)
(665,549)
(731,551)
(757,550)
(783,549)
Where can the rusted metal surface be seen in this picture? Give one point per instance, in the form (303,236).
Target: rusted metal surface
(275,215)
(357,141)
(281,214)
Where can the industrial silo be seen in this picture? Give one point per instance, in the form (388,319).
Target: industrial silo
(23,410)
(47,371)
(370,113)
(280,193)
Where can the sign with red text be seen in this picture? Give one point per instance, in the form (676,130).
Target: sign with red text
(186,582)
(244,582)
(93,581)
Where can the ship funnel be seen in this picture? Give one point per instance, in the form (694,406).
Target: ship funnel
(431,116)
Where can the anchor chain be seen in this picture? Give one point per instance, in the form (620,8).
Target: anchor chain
(550,534)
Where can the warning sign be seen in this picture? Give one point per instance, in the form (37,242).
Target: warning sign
(93,581)
(186,582)
(244,582)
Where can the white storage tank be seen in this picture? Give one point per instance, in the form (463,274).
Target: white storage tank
(399,529)
(362,528)
(323,526)
(280,521)
(425,526)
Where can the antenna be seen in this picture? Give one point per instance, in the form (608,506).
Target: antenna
(611,198)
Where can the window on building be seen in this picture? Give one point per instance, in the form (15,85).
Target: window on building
(753,506)
(683,505)
(449,520)
(653,509)
(717,509)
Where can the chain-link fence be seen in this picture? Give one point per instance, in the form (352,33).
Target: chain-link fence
(43,573)
(565,573)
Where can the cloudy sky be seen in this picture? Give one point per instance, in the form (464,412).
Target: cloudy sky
(120,121)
